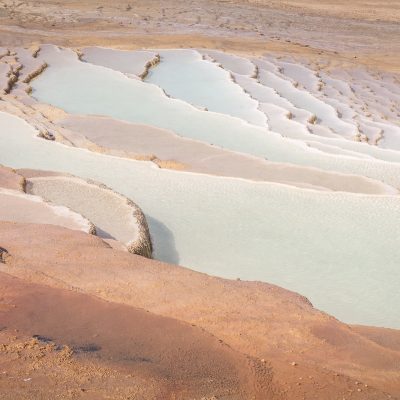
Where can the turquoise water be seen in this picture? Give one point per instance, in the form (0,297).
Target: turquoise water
(340,250)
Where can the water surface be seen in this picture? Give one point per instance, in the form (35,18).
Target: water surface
(82,88)
(340,250)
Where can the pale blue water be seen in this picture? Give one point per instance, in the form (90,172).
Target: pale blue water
(340,250)
(128,62)
(83,88)
(183,74)
(300,98)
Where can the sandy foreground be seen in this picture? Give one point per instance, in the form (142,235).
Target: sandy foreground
(80,317)
(292,348)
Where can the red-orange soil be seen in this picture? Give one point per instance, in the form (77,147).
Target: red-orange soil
(202,334)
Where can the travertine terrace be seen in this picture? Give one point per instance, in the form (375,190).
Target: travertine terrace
(199,200)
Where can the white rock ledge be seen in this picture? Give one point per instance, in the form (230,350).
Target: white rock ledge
(114,216)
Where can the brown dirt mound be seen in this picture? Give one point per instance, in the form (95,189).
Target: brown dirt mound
(330,359)
(183,360)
